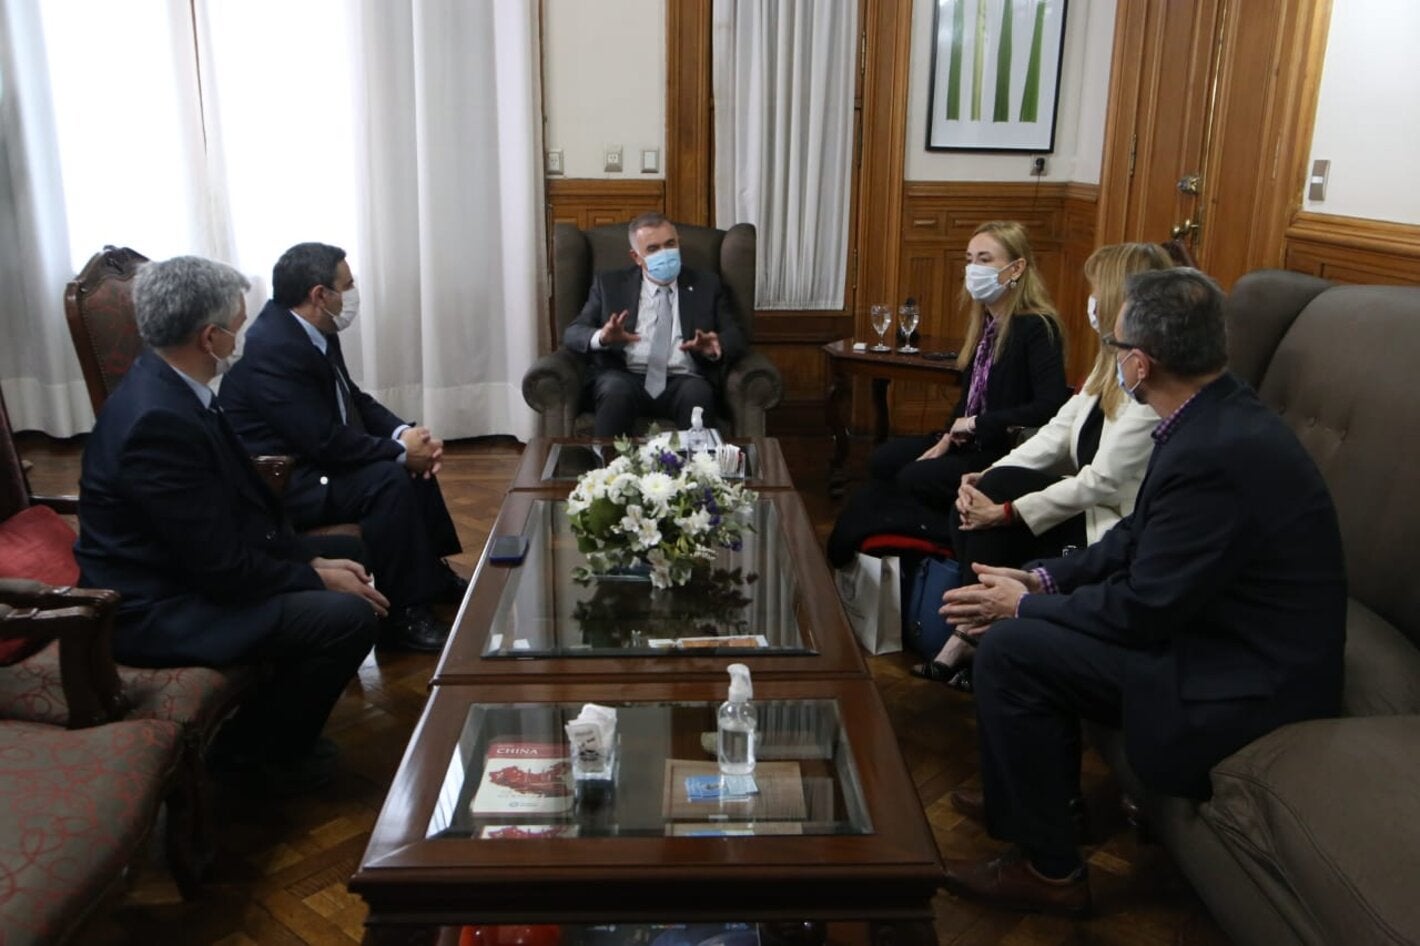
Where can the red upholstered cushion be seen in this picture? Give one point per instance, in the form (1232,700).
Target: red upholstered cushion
(77,806)
(888,544)
(39,545)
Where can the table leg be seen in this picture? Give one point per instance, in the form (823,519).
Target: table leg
(880,409)
(837,409)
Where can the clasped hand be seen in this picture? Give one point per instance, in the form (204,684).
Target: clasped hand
(975,508)
(994,598)
(342,574)
(963,430)
(424,454)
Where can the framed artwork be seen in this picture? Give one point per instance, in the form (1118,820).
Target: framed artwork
(995,81)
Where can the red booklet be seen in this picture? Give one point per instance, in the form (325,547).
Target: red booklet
(524,778)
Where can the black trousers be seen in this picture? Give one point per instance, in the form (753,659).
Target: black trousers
(1015,544)
(933,483)
(620,399)
(319,641)
(1034,682)
(403,521)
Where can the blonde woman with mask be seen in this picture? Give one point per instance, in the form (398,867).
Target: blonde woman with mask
(1020,508)
(1013,376)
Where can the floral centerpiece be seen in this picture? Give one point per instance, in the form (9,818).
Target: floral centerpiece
(652,506)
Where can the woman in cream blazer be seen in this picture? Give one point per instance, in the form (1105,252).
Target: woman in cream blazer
(1075,478)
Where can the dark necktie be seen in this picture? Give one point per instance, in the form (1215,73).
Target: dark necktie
(351,416)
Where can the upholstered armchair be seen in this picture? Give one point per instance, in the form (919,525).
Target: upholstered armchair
(57,668)
(556,385)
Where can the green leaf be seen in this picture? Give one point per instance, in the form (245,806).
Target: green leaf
(1001,106)
(1030,97)
(978,60)
(954,69)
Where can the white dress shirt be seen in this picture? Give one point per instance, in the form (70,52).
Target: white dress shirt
(639,352)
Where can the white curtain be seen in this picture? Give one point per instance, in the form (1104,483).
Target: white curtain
(407,133)
(784,72)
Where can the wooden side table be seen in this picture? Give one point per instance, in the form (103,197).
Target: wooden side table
(845,363)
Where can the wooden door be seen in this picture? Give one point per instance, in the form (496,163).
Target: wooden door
(1211,108)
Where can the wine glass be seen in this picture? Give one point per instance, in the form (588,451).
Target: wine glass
(882,318)
(907,317)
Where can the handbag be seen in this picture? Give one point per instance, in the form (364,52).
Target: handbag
(924,630)
(871,593)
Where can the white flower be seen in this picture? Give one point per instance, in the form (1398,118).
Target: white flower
(577,503)
(704,467)
(622,487)
(696,523)
(644,532)
(658,490)
(595,482)
(621,464)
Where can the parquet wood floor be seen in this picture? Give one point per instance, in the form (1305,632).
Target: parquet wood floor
(280,873)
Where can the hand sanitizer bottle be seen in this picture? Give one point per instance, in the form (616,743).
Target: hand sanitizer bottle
(736,725)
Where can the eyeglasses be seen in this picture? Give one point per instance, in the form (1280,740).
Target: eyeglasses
(1113,342)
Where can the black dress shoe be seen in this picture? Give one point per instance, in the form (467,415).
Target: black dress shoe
(455,587)
(414,628)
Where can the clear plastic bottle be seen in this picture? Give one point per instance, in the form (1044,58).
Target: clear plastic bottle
(736,725)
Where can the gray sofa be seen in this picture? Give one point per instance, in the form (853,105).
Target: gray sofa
(554,385)
(1313,832)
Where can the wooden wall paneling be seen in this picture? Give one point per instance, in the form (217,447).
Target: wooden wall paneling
(793,342)
(1354,250)
(938,218)
(690,153)
(886,38)
(594,202)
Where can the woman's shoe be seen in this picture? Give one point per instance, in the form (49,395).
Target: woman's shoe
(935,671)
(961,680)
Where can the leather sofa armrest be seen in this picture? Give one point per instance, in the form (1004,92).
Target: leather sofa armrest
(275,471)
(752,386)
(81,619)
(553,388)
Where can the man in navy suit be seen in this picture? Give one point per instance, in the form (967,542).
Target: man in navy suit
(356,461)
(175,518)
(1212,615)
(658,335)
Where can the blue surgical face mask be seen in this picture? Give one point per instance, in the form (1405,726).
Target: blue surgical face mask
(1119,377)
(664,265)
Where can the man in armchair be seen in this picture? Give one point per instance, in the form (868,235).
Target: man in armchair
(657,336)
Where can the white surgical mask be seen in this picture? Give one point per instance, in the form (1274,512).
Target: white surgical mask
(1119,377)
(1092,310)
(982,283)
(349,308)
(225,364)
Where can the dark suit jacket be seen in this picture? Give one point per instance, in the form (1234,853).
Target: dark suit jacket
(1026,386)
(703,306)
(1227,584)
(174,517)
(281,398)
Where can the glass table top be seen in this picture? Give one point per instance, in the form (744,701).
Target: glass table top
(510,776)
(566,462)
(744,604)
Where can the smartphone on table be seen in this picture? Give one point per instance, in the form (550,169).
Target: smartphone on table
(508,549)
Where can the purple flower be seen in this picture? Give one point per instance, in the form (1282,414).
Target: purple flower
(671,462)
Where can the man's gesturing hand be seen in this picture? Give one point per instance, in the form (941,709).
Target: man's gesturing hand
(341,574)
(614,331)
(705,344)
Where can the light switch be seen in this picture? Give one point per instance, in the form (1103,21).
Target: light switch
(554,161)
(1316,184)
(650,160)
(613,159)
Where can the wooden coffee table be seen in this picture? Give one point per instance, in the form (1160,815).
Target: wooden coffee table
(843,836)
(533,620)
(883,368)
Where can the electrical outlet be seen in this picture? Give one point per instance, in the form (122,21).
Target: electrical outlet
(1037,166)
(613,159)
(554,161)
(650,160)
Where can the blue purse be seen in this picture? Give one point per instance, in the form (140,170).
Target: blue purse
(923,629)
